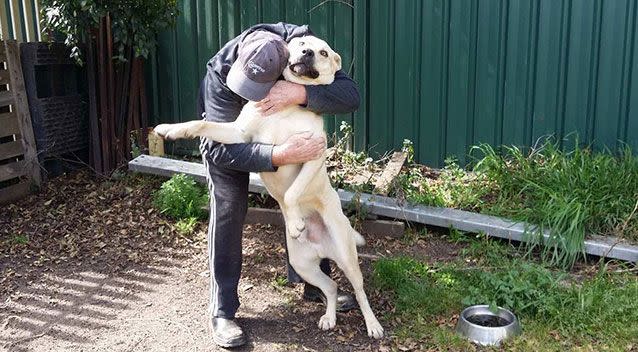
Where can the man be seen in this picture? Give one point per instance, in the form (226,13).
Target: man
(248,68)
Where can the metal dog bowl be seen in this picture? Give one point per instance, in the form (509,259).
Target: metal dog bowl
(484,327)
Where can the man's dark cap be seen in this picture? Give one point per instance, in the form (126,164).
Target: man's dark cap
(262,58)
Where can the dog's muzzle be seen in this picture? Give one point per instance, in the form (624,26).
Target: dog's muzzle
(304,67)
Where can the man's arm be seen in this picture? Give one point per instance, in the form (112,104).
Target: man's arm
(340,97)
(222,106)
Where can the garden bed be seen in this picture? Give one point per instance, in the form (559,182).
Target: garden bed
(609,246)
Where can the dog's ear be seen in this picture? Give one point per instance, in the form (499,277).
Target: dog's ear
(336,59)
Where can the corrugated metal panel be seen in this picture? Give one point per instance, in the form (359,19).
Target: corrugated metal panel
(446,74)
(19,20)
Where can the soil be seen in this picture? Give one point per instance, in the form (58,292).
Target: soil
(87,264)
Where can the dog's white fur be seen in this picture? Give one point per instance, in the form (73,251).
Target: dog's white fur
(315,225)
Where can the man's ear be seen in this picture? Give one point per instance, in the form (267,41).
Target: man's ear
(337,61)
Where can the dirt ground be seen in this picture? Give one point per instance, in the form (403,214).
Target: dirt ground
(88,265)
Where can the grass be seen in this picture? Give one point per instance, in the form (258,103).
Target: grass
(571,193)
(597,313)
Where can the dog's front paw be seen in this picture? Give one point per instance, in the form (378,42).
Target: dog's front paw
(375,330)
(172,131)
(327,322)
(164,130)
(296,227)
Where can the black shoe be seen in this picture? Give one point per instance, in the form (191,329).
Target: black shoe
(226,332)
(345,301)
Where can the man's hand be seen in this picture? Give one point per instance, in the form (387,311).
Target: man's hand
(281,95)
(298,149)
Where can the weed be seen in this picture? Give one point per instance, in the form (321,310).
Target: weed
(118,175)
(20,239)
(415,283)
(351,170)
(408,148)
(186,226)
(181,198)
(279,281)
(136,150)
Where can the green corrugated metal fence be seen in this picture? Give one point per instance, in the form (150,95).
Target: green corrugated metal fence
(446,74)
(19,20)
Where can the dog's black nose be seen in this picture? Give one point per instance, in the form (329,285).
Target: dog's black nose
(308,52)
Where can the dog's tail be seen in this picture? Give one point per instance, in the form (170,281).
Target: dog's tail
(358,239)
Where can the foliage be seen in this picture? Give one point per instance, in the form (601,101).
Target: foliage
(521,288)
(569,193)
(20,239)
(186,226)
(134,23)
(181,198)
(279,281)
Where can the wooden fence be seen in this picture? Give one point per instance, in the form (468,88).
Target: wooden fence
(19,168)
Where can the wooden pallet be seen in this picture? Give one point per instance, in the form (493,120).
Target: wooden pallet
(19,168)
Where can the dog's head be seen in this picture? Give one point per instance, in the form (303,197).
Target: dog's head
(311,62)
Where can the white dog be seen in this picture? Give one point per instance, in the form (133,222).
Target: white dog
(315,225)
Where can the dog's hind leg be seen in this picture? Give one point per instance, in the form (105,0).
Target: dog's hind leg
(296,224)
(350,267)
(345,239)
(310,271)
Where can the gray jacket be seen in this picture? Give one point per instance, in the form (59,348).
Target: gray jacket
(222,105)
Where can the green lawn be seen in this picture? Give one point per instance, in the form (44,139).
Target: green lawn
(558,310)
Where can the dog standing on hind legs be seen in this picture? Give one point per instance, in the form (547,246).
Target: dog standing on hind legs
(315,224)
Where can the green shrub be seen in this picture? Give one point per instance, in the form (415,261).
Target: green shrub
(181,198)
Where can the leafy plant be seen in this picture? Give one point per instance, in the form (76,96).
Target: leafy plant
(20,239)
(357,211)
(522,288)
(181,198)
(186,226)
(134,23)
(279,281)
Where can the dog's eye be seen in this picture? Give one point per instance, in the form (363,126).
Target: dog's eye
(301,43)
(323,53)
